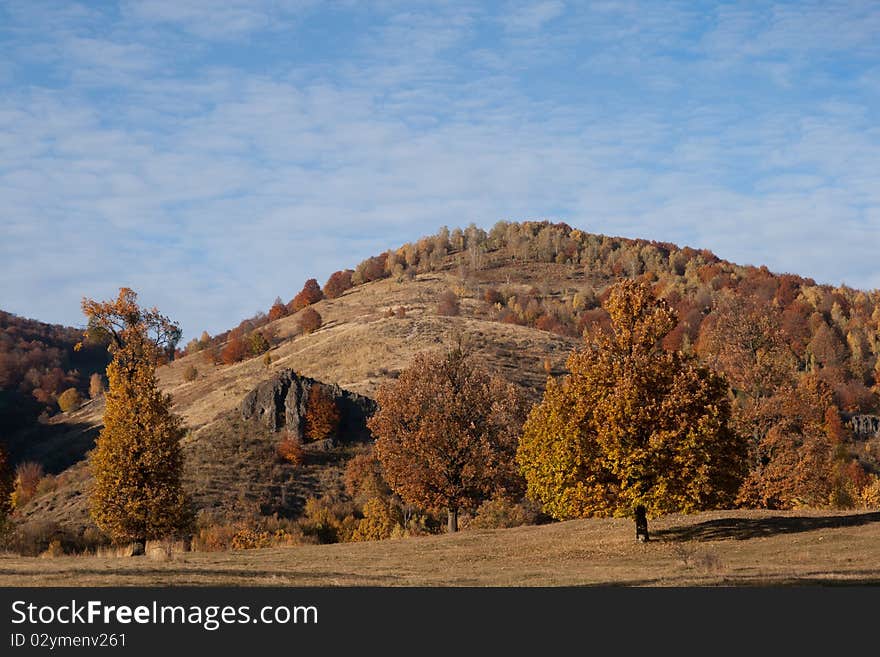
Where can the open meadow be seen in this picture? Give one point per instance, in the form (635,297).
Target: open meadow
(729,548)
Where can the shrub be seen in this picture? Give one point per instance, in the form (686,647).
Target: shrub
(290,449)
(214,538)
(191,373)
(499,513)
(96,385)
(31,539)
(328,521)
(322,415)
(339,282)
(310,320)
(379,521)
(54,549)
(254,533)
(27,478)
(400,313)
(248,538)
(363,477)
(47,484)
(69,400)
(870,494)
(493,296)
(448,304)
(257,343)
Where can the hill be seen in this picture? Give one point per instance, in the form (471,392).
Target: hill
(38,362)
(797,354)
(743,548)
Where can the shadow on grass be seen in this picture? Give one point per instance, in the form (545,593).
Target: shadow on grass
(746,528)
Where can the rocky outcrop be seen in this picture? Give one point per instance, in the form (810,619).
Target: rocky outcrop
(280,403)
(865,426)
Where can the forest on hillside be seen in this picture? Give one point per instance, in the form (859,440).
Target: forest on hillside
(737,318)
(39,364)
(801,358)
(799,361)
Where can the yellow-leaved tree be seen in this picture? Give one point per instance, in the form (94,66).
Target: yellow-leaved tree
(137,461)
(632,429)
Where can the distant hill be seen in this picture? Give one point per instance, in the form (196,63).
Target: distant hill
(37,363)
(519,296)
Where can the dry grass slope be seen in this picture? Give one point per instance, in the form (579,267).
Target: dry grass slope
(358,347)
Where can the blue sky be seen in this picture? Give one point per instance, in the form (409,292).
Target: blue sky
(214,155)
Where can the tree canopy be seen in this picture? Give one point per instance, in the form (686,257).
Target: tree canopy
(632,425)
(137,461)
(446,433)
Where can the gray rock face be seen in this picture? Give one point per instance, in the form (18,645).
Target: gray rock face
(865,426)
(280,403)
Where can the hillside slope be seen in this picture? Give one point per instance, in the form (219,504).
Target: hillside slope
(231,464)
(525,293)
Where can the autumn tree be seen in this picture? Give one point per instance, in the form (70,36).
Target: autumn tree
(363,477)
(633,429)
(744,340)
(321,416)
(290,449)
(137,461)
(310,293)
(278,310)
(257,343)
(800,457)
(446,433)
(310,320)
(339,282)
(235,348)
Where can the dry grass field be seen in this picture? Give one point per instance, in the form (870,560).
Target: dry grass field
(750,548)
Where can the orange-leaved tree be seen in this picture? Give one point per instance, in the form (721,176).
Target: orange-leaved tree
(322,414)
(310,320)
(633,429)
(137,462)
(310,293)
(446,434)
(235,348)
(278,310)
(339,282)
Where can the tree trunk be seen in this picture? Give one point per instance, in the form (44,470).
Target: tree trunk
(452,521)
(641,523)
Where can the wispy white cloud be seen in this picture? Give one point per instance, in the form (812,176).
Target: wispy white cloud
(200,158)
(230,19)
(532,16)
